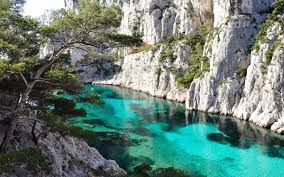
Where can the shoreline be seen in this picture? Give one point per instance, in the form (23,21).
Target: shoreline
(214,113)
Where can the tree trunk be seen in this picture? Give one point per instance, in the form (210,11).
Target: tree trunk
(6,142)
(35,140)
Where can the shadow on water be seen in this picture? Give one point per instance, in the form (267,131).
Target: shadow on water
(115,144)
(114,147)
(239,133)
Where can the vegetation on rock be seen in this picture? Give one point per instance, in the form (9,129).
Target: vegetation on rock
(199,63)
(34,158)
(273,17)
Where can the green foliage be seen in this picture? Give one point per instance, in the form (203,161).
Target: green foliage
(3,67)
(168,51)
(158,71)
(65,77)
(270,51)
(190,9)
(124,39)
(60,74)
(269,54)
(135,28)
(174,69)
(199,63)
(58,124)
(278,9)
(261,37)
(33,157)
(20,41)
(241,72)
(92,98)
(199,36)
(7,67)
(65,107)
(21,37)
(186,79)
(18,34)
(115,54)
(88,26)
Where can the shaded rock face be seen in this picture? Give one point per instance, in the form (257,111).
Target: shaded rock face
(251,96)
(74,158)
(144,72)
(263,98)
(68,156)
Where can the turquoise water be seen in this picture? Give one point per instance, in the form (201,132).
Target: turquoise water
(134,128)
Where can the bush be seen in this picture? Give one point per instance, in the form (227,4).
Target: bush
(185,80)
(33,157)
(65,107)
(269,54)
(168,51)
(92,98)
(190,9)
(241,72)
(270,51)
(261,37)
(200,64)
(58,124)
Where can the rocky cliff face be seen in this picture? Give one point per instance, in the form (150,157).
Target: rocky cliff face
(236,83)
(221,89)
(156,20)
(263,97)
(146,72)
(66,156)
(240,82)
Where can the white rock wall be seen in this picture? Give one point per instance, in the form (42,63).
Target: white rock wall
(158,19)
(263,100)
(255,97)
(144,72)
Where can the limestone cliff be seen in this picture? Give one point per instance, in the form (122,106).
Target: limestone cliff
(239,81)
(64,156)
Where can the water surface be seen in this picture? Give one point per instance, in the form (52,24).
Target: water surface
(134,128)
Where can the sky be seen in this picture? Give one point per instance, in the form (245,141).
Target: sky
(36,8)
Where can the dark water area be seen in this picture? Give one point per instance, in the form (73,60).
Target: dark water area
(133,128)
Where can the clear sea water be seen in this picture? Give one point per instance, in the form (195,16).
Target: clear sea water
(134,128)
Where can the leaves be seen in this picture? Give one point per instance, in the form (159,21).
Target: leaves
(124,39)
(59,74)
(18,34)
(85,27)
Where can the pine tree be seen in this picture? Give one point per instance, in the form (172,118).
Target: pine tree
(23,73)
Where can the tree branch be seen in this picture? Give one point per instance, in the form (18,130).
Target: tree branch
(24,79)
(46,82)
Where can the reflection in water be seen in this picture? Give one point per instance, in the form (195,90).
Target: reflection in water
(134,128)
